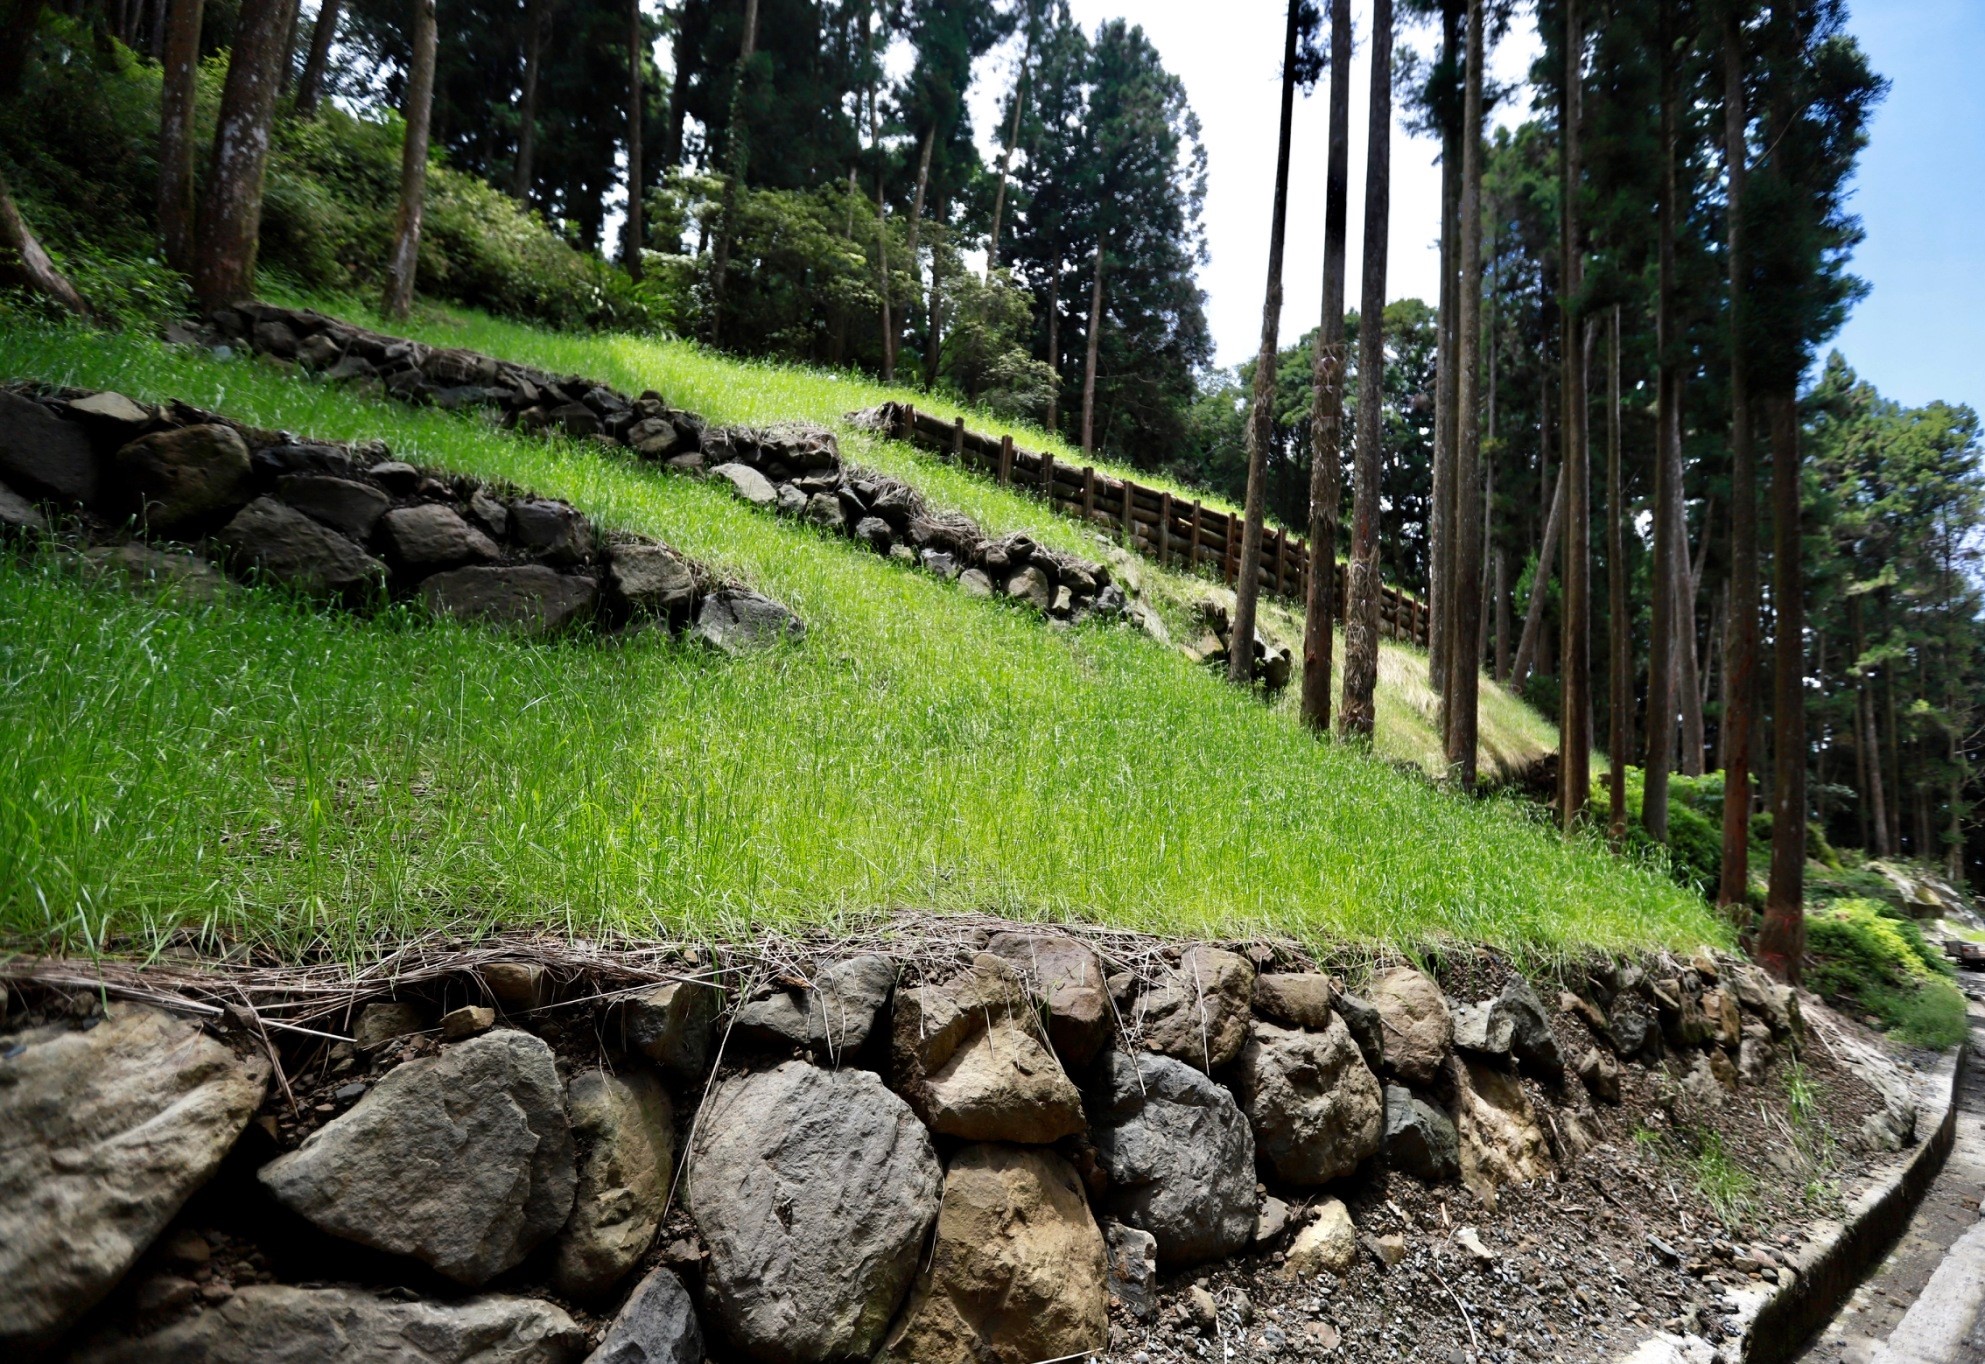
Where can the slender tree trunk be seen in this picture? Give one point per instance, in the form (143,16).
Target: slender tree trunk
(1782,935)
(1867,737)
(524,175)
(1618,626)
(1095,350)
(1503,623)
(25,265)
(404,263)
(1261,408)
(1740,642)
(1893,729)
(18,21)
(1540,582)
(178,79)
(1054,347)
(1463,648)
(286,64)
(881,229)
(1006,156)
(1688,680)
(740,134)
(917,222)
(1575,658)
(933,333)
(231,214)
(1660,662)
(1446,367)
(1361,617)
(637,232)
(310,85)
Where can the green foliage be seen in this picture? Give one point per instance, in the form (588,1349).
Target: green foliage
(294,775)
(1695,833)
(1868,955)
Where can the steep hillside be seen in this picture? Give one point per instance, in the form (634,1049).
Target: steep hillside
(253,764)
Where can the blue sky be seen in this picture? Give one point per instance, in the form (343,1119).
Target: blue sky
(1920,333)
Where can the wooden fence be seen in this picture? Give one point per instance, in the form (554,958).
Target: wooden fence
(1159,525)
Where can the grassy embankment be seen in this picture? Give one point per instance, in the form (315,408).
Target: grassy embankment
(285,774)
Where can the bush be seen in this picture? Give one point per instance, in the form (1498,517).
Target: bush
(1867,956)
(1695,837)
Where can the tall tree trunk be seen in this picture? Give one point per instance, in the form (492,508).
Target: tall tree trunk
(1054,347)
(740,135)
(1867,736)
(881,226)
(1740,641)
(1575,658)
(1540,582)
(1095,350)
(681,56)
(1006,156)
(933,333)
(1447,361)
(178,81)
(1660,662)
(917,222)
(1782,935)
(310,85)
(1361,617)
(1688,680)
(286,64)
(1464,651)
(404,263)
(524,174)
(637,232)
(231,214)
(18,21)
(1893,728)
(1261,407)
(1619,628)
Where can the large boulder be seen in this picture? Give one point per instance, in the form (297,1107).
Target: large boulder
(104,1133)
(275,540)
(1418,1030)
(277,1324)
(1532,1042)
(624,1128)
(1315,1107)
(1200,1015)
(1018,1272)
(529,598)
(463,1161)
(747,483)
(814,1190)
(43,456)
(179,480)
(734,621)
(1500,1141)
(343,504)
(1065,973)
(1420,1140)
(431,537)
(970,1057)
(657,1326)
(1179,1154)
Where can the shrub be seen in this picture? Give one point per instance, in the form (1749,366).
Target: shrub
(1866,955)
(1695,838)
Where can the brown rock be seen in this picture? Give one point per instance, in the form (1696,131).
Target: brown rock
(379,1024)
(467,1022)
(519,986)
(1501,1142)
(1296,1000)
(1201,1016)
(1018,1272)
(1069,977)
(1600,1074)
(179,479)
(969,1057)
(671,1026)
(1418,1030)
(1327,1245)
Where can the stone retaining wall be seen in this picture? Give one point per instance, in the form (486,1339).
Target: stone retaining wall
(349,524)
(986,1160)
(793,470)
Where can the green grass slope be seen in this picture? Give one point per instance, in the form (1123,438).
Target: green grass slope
(288,775)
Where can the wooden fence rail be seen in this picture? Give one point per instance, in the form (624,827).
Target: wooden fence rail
(1157,524)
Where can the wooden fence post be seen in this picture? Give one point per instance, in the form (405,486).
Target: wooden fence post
(1088,492)
(1005,460)
(1164,529)
(958,440)
(910,422)
(1198,515)
(1129,525)
(1230,568)
(1048,478)
(1281,561)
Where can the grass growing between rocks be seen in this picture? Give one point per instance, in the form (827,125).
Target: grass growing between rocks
(270,770)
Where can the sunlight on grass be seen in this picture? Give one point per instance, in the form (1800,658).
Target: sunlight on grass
(287,774)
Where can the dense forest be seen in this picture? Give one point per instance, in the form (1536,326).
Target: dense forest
(1615,455)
